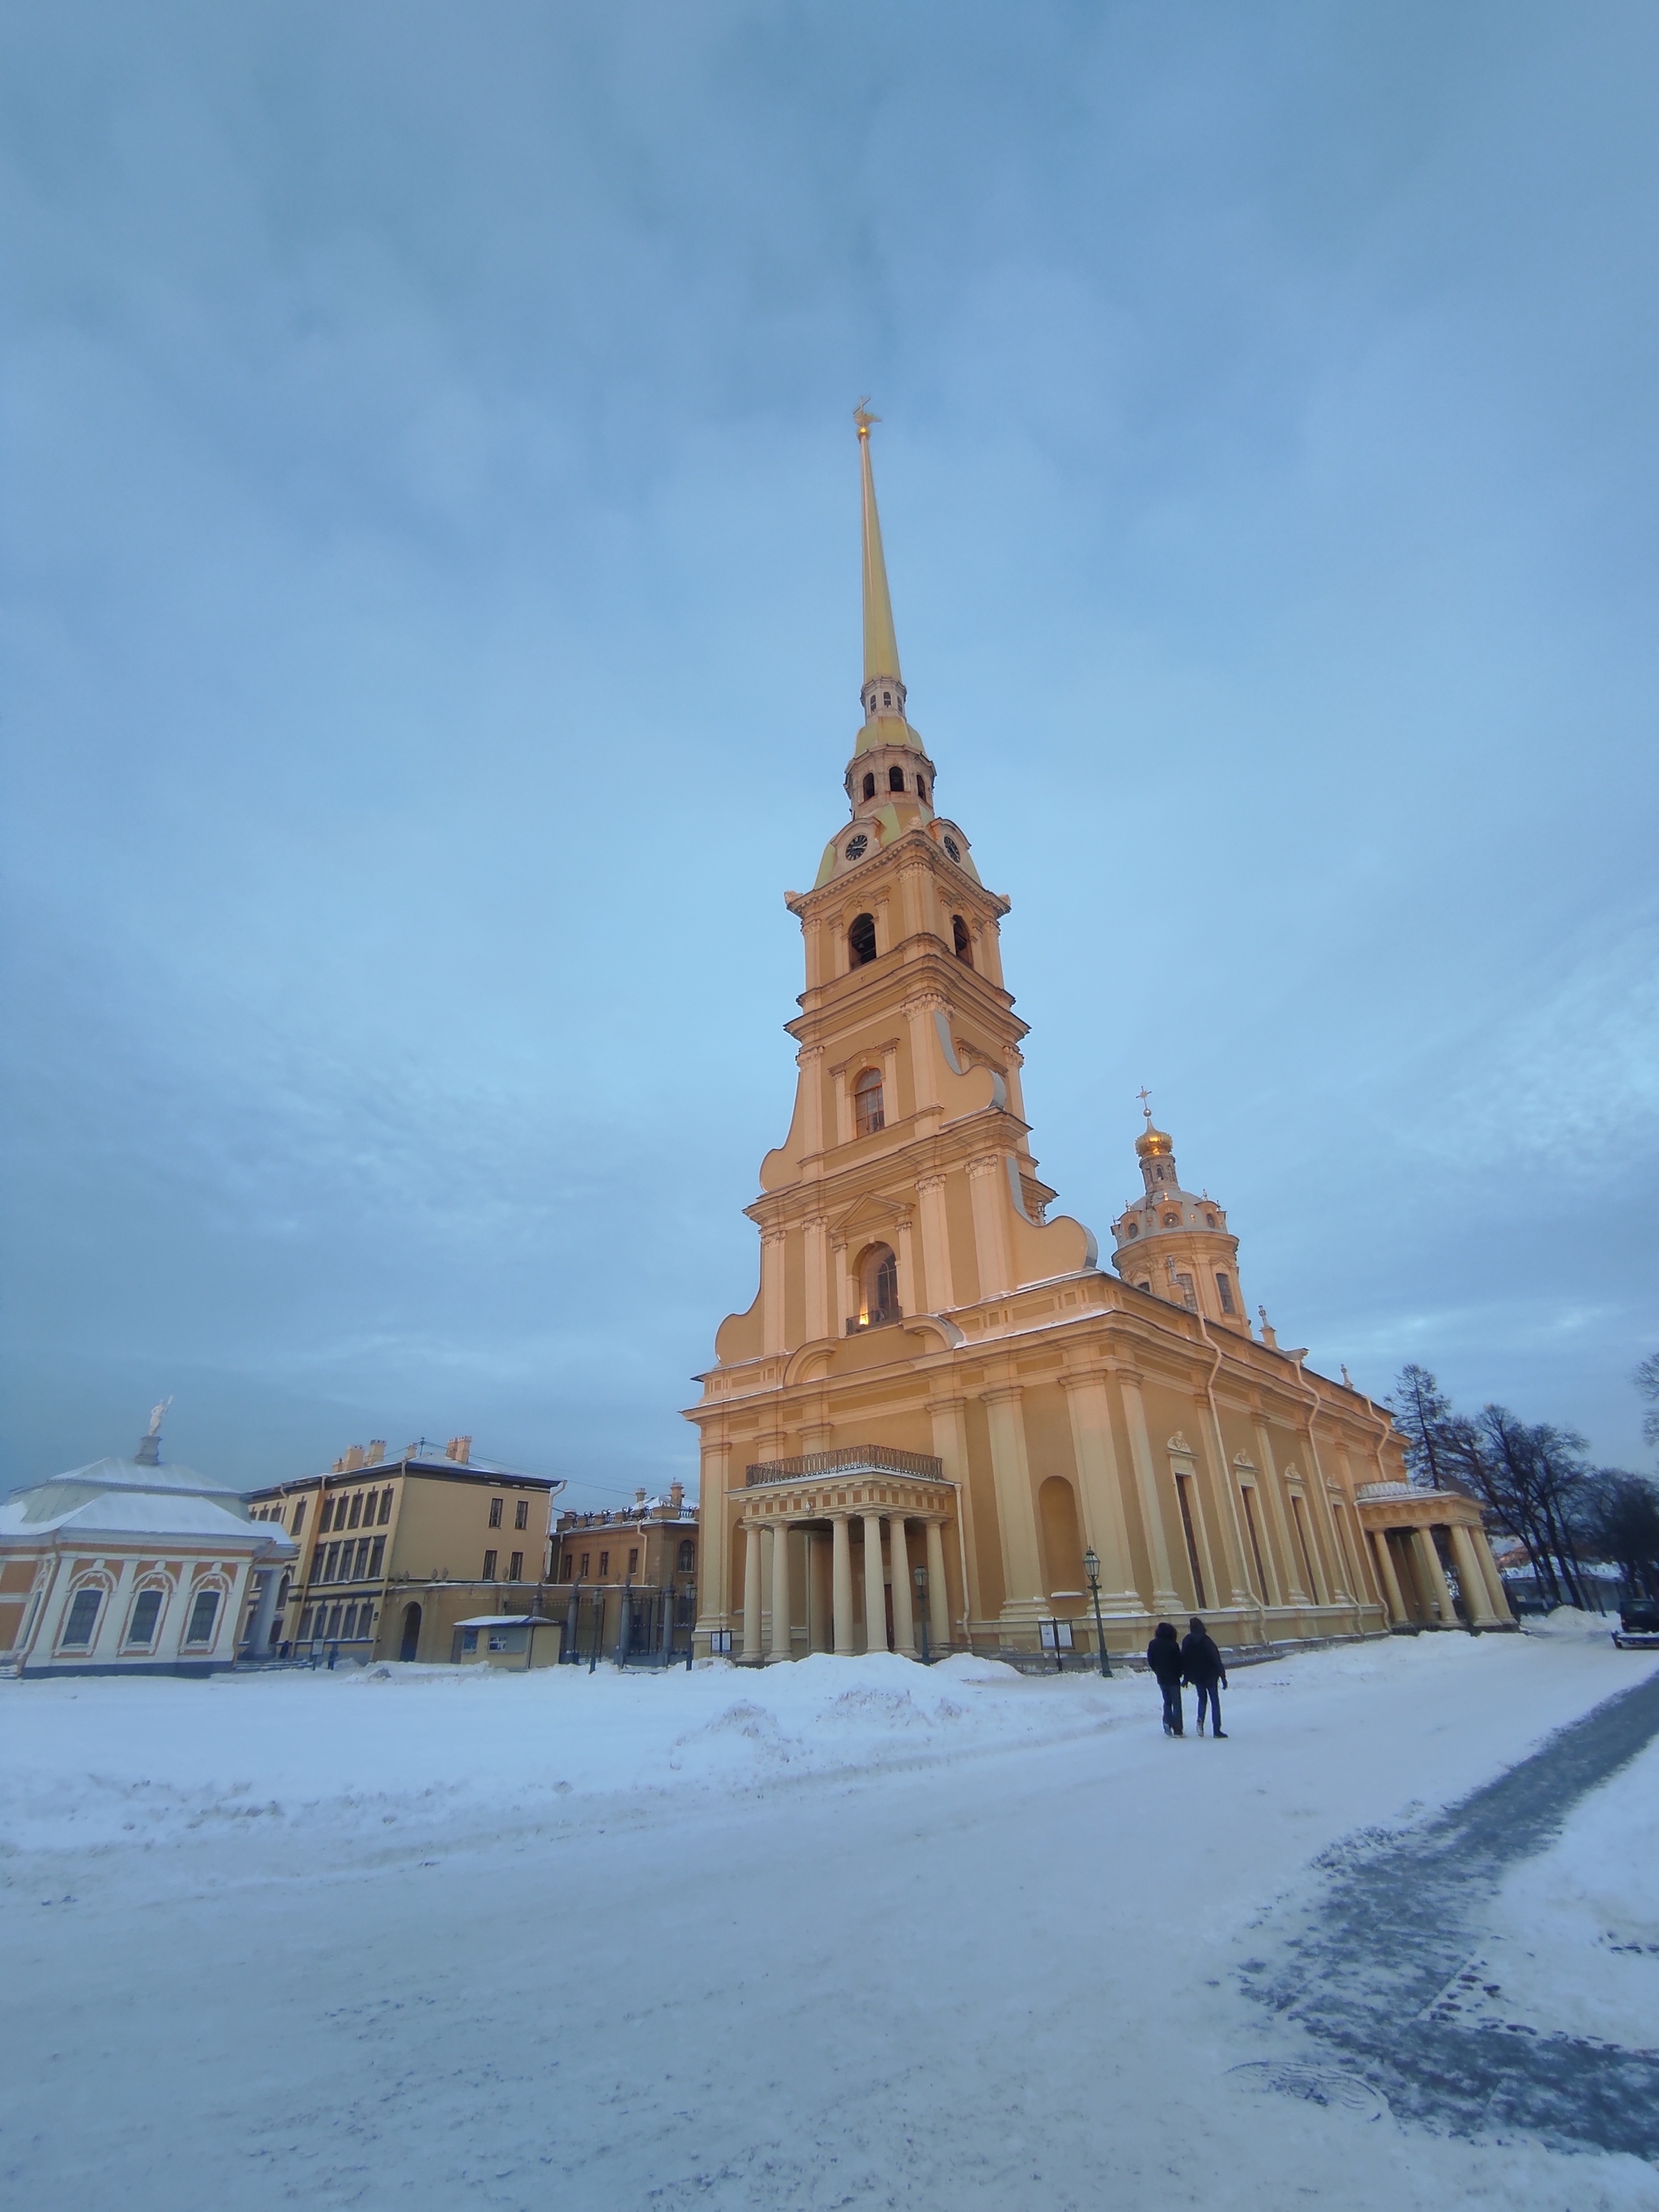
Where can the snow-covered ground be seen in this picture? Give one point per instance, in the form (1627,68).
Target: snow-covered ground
(845,1933)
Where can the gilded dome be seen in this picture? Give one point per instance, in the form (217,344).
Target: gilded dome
(1153,1145)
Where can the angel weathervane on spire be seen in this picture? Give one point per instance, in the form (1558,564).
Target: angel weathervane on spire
(155,1417)
(863,417)
(1146,1098)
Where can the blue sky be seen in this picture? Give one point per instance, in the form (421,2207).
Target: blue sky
(430,603)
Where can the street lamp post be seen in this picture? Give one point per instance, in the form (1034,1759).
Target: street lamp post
(1091,1568)
(922,1607)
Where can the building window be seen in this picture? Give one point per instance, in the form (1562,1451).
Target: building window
(586,1556)
(1189,1298)
(634,1559)
(333,1628)
(349,1625)
(861,939)
(203,1612)
(490,1567)
(494,1512)
(515,1568)
(331,1560)
(1132,1229)
(356,1509)
(82,1618)
(886,698)
(604,1565)
(963,942)
(299,1516)
(327,1521)
(878,1283)
(869,1103)
(363,1549)
(1209,1221)
(308,1619)
(1172,1221)
(869,787)
(384,1513)
(145,1615)
(376,1556)
(564,1568)
(521,1514)
(1224,1291)
(922,790)
(688,1556)
(896,778)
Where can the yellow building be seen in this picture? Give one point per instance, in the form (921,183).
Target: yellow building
(938,1400)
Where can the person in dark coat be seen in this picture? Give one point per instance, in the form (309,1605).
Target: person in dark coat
(1163,1657)
(1201,1664)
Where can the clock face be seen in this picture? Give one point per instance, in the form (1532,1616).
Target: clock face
(857,847)
(953,848)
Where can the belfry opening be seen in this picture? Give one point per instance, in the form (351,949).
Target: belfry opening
(941,1405)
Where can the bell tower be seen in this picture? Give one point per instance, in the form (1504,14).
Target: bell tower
(1174,1243)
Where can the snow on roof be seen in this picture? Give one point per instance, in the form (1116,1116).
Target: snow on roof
(124,1497)
(507,1620)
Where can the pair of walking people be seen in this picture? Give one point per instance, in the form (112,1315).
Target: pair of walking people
(1197,1661)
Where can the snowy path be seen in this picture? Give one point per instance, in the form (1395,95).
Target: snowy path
(844,1934)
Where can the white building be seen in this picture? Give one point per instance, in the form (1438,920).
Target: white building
(132,1566)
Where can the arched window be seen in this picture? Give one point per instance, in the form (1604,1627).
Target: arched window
(878,1286)
(1224,1286)
(688,1556)
(869,1107)
(896,778)
(922,789)
(886,698)
(961,939)
(861,939)
(870,786)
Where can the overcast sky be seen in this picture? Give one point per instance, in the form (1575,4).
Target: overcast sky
(431,605)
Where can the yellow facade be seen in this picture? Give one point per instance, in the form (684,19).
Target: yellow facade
(935,1375)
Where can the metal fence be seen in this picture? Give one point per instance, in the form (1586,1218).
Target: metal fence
(634,1624)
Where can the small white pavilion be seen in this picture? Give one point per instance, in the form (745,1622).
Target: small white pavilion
(130,1565)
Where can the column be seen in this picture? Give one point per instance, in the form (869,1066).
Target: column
(987,1189)
(950,1424)
(1495,1589)
(841,1585)
(1026,1599)
(875,1603)
(816,1242)
(939,1598)
(259,1642)
(1103,1525)
(772,1253)
(1391,1589)
(1430,1575)
(843,1312)
(1477,1598)
(918,1013)
(751,1590)
(1165,1597)
(809,1060)
(938,1290)
(782,1645)
(904,1254)
(715,1560)
(817,1625)
(904,1618)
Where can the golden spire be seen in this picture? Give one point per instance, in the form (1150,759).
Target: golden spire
(880,645)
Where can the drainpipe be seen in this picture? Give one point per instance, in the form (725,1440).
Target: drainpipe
(962,1552)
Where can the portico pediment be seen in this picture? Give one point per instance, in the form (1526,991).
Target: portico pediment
(870,1215)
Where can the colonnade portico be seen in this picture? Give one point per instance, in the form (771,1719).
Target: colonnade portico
(1400,1521)
(832,1497)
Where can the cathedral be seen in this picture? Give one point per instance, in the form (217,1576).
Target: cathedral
(943,1423)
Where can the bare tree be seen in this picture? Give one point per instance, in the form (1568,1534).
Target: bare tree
(1646,1379)
(1422,1415)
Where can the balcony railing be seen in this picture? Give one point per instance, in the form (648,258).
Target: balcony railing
(850,1459)
(883,1317)
(1369,1490)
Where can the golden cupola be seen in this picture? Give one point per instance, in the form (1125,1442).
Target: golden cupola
(1174,1243)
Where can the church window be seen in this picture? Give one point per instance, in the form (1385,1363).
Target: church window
(1189,1295)
(870,786)
(1224,1288)
(963,942)
(1143,1285)
(896,778)
(495,1512)
(489,1566)
(1134,1228)
(1160,1174)
(688,1557)
(1172,1221)
(886,698)
(202,1615)
(356,1509)
(878,1286)
(869,1109)
(1209,1221)
(145,1615)
(521,1514)
(861,939)
(82,1618)
(922,789)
